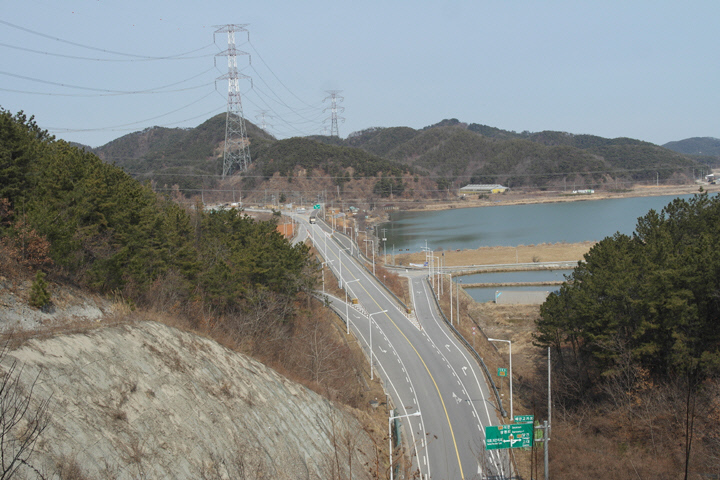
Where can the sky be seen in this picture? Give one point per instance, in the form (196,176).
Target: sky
(91,71)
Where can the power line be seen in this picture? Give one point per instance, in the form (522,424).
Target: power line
(144,57)
(76,57)
(113,92)
(202,115)
(278,79)
(97,129)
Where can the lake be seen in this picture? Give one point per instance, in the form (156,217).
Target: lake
(513,225)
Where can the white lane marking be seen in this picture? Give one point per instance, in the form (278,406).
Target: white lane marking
(464,369)
(360,335)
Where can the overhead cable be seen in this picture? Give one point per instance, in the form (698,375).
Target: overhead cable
(115,92)
(75,57)
(144,57)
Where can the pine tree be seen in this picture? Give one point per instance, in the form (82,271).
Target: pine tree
(39,295)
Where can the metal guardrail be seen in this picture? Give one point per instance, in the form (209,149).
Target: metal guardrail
(477,356)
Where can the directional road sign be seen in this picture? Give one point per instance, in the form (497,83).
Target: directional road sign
(524,418)
(502,372)
(316,207)
(515,435)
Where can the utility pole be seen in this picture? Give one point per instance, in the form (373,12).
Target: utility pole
(236,154)
(384,240)
(334,109)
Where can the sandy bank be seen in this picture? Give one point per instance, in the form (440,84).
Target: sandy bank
(524,197)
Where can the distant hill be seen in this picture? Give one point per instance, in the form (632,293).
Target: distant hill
(447,154)
(696,146)
(456,152)
(705,150)
(176,156)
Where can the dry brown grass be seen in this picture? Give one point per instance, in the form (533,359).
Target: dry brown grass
(545,252)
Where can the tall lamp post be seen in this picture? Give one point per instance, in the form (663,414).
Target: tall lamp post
(323,274)
(371,350)
(451,302)
(347,311)
(457,289)
(373,252)
(510,355)
(390,419)
(340,279)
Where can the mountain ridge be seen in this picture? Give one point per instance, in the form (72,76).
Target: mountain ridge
(447,154)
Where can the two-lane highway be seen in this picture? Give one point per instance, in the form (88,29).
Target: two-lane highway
(423,366)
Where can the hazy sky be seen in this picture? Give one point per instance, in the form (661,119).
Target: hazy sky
(641,69)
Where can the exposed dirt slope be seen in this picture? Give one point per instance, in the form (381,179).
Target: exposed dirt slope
(149,401)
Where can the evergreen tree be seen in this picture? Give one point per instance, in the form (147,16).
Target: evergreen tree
(39,295)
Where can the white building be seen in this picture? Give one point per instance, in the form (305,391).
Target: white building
(483,188)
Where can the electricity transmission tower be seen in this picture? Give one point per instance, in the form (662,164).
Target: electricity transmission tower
(236,155)
(334,97)
(261,116)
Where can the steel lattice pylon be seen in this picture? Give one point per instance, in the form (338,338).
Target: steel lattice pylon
(236,154)
(334,109)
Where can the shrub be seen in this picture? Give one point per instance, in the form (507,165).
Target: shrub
(39,295)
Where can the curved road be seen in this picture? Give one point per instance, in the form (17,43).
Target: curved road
(423,366)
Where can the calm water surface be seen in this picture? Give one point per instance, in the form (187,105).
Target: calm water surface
(488,294)
(513,225)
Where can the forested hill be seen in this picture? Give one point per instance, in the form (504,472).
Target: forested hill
(192,158)
(451,149)
(66,213)
(449,154)
(705,150)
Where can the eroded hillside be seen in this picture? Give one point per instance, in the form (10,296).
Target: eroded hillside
(149,401)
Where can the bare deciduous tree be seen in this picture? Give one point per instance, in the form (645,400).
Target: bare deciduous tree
(22,419)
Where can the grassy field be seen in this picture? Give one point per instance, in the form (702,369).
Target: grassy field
(546,252)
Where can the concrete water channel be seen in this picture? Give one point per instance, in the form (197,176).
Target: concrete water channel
(483,287)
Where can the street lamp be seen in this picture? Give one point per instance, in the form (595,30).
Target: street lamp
(371,350)
(457,289)
(390,419)
(451,302)
(340,281)
(510,355)
(323,273)
(347,311)
(428,255)
(373,252)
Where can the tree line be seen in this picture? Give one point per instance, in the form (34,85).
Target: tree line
(66,212)
(641,313)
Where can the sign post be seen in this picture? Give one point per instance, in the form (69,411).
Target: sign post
(514,435)
(524,418)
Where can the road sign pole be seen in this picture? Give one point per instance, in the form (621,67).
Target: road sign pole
(545,427)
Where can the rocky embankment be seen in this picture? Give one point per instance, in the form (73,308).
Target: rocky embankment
(149,401)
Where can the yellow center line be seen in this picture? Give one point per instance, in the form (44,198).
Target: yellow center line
(447,417)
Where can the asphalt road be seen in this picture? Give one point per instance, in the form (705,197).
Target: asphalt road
(423,367)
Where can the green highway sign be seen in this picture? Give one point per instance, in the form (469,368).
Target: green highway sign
(515,435)
(524,418)
(502,372)
(316,207)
